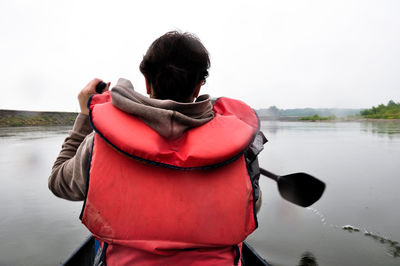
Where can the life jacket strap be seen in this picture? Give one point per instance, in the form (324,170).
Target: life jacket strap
(100,259)
(237,255)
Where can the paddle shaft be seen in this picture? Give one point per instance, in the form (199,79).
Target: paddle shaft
(269,174)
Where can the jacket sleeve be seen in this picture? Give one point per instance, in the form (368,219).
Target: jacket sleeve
(68,175)
(252,165)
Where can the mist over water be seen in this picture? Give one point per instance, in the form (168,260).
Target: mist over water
(355,222)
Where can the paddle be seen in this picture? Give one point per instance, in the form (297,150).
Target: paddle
(299,188)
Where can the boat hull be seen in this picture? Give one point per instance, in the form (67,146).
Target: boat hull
(84,255)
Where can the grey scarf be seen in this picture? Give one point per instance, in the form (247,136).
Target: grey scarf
(169,118)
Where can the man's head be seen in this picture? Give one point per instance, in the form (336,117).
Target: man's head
(175,66)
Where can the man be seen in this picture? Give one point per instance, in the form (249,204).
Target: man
(166,180)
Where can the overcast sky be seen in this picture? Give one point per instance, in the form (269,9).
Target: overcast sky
(291,54)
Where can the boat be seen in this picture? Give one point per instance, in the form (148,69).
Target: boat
(84,255)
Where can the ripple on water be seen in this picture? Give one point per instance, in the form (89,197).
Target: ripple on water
(392,247)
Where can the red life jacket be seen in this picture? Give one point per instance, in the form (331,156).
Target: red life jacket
(182,202)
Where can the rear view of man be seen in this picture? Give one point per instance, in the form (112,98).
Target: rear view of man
(166,180)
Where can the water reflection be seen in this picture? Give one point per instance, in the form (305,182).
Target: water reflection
(270,126)
(308,259)
(383,128)
(390,129)
(32,133)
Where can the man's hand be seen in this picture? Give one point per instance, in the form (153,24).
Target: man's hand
(83,96)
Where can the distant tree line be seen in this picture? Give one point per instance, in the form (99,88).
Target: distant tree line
(389,111)
(273,111)
(13,118)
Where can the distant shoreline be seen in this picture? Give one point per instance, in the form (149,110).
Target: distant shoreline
(15,118)
(339,119)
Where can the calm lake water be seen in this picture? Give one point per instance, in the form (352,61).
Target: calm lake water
(358,161)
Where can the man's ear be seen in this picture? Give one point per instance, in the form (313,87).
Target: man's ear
(197,90)
(148,86)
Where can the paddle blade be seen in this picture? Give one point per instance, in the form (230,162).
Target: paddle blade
(300,188)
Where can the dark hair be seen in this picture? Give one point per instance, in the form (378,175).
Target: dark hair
(175,64)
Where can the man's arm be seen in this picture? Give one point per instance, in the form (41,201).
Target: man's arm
(69,172)
(259,200)
(68,175)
